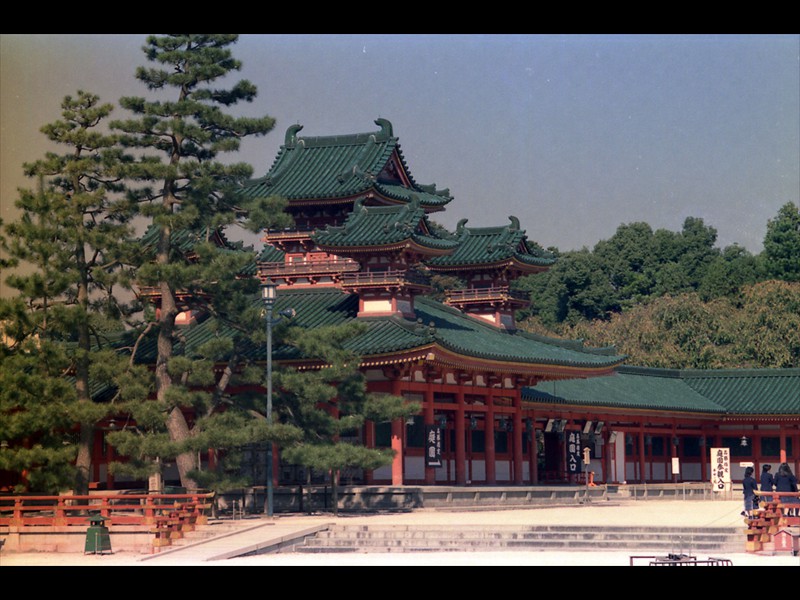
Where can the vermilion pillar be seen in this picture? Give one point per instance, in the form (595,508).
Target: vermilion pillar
(397,441)
(397,446)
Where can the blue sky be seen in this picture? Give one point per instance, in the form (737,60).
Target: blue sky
(573,134)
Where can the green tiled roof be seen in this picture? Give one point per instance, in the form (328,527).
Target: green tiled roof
(271,254)
(740,391)
(749,391)
(450,329)
(487,245)
(382,225)
(471,337)
(344,166)
(183,239)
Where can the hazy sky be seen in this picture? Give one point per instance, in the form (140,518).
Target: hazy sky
(572,134)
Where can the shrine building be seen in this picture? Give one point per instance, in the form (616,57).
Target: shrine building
(506,407)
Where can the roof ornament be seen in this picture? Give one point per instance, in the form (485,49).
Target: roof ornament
(291,135)
(514,223)
(461,227)
(358,205)
(386,128)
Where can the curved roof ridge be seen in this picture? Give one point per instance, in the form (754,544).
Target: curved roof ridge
(384,134)
(577,344)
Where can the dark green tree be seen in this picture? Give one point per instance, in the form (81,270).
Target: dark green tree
(331,405)
(191,196)
(73,233)
(726,275)
(782,244)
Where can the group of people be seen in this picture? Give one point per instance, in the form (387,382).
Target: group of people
(783,481)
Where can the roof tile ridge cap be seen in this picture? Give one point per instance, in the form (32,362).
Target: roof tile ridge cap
(733,372)
(577,345)
(650,371)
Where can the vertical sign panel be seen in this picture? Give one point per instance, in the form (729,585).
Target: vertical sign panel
(573,452)
(720,469)
(433,446)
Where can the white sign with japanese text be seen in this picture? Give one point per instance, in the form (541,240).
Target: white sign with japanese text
(720,469)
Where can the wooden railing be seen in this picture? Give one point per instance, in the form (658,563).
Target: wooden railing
(117,509)
(485,294)
(311,267)
(391,277)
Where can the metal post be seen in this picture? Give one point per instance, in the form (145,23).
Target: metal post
(268,294)
(270,506)
(268,288)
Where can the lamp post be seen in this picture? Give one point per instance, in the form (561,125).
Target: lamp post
(268,293)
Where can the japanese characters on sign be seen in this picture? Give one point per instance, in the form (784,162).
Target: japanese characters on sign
(433,446)
(720,469)
(573,452)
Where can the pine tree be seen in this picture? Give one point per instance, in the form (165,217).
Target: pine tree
(73,232)
(331,405)
(191,195)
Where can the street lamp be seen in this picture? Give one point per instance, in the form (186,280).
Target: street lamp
(268,294)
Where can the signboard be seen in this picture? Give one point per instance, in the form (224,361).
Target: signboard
(720,469)
(676,465)
(573,452)
(433,446)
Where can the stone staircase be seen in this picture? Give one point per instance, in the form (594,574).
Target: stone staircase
(212,529)
(482,538)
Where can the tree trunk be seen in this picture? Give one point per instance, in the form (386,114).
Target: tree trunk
(335,491)
(83,462)
(176,421)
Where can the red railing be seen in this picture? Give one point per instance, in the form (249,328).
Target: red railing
(117,509)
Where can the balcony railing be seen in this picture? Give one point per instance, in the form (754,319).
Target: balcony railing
(312,267)
(491,294)
(276,235)
(391,277)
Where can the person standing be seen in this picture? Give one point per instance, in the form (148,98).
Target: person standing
(767,482)
(785,481)
(749,489)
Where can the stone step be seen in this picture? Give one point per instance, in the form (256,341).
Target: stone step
(508,538)
(397,538)
(649,545)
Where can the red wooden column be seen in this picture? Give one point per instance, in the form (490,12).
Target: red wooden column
(430,472)
(491,476)
(461,476)
(397,446)
(782,443)
(397,440)
(517,436)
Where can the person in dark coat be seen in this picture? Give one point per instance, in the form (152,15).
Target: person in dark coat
(767,482)
(749,488)
(785,481)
